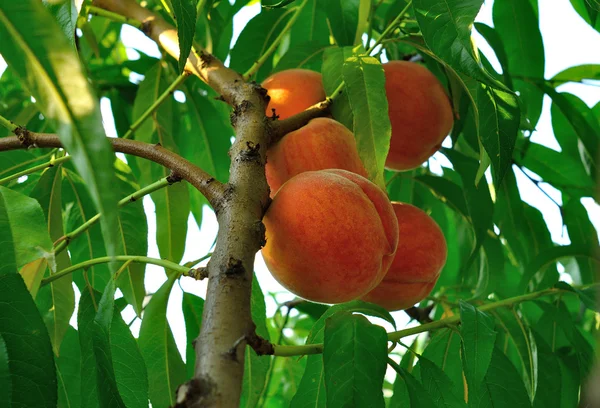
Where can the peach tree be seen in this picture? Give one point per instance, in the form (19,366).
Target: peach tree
(512,321)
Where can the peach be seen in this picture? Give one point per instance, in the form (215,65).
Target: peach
(420,114)
(292,91)
(419,260)
(331,235)
(322,144)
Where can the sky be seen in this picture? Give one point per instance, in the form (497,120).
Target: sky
(568,41)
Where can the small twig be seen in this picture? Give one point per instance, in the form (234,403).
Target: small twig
(100,12)
(34,169)
(197,273)
(281,128)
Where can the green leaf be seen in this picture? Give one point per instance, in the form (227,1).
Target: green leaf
(558,169)
(68,365)
(65,13)
(256,367)
(502,386)
(304,55)
(478,337)
(173,203)
(588,10)
(365,84)
(446,27)
(52,71)
(578,73)
(494,40)
(311,391)
(333,63)
(56,301)
(447,191)
(419,397)
(400,397)
(166,369)
(343,17)
(355,359)
(438,385)
(193,307)
(78,209)
(185,17)
(549,375)
(582,234)
(519,334)
(310,26)
(25,348)
(254,40)
(517,25)
(23,231)
(498,126)
(444,351)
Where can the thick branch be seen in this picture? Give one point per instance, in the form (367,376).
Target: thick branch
(212,189)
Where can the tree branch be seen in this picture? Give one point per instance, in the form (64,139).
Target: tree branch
(285,126)
(212,189)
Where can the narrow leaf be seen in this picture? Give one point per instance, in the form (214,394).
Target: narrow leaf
(26,347)
(439,386)
(185,17)
(193,307)
(343,17)
(68,366)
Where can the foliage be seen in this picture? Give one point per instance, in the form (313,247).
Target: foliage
(507,330)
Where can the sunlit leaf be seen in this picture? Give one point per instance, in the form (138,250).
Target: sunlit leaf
(185,16)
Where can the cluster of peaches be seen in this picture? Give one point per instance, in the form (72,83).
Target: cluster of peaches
(332,235)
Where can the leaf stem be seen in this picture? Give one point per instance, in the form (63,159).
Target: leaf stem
(8,124)
(289,351)
(152,108)
(33,169)
(123,258)
(66,239)
(391,27)
(261,60)
(100,12)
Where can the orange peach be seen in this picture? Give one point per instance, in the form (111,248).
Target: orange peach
(419,260)
(322,144)
(331,235)
(292,91)
(420,114)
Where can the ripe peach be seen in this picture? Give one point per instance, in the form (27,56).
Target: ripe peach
(420,114)
(420,257)
(322,144)
(293,90)
(331,235)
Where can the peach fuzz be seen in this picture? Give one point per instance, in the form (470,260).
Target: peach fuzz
(322,144)
(331,235)
(419,260)
(293,91)
(420,114)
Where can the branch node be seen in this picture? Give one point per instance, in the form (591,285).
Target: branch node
(197,273)
(206,59)
(238,110)
(420,314)
(174,178)
(25,137)
(274,116)
(261,91)
(234,267)
(261,231)
(251,153)
(196,393)
(146,27)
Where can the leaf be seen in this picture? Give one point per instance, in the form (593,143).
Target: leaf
(419,397)
(520,335)
(355,358)
(444,351)
(498,127)
(447,191)
(365,84)
(256,367)
(255,39)
(65,13)
(333,63)
(25,348)
(549,375)
(494,40)
(478,337)
(23,231)
(304,55)
(400,397)
(578,73)
(588,10)
(78,209)
(582,234)
(311,391)
(53,74)
(438,385)
(166,369)
(56,301)
(517,25)
(446,27)
(273,4)
(502,386)
(193,307)
(343,17)
(68,363)
(478,199)
(558,169)
(185,17)
(172,204)
(310,26)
